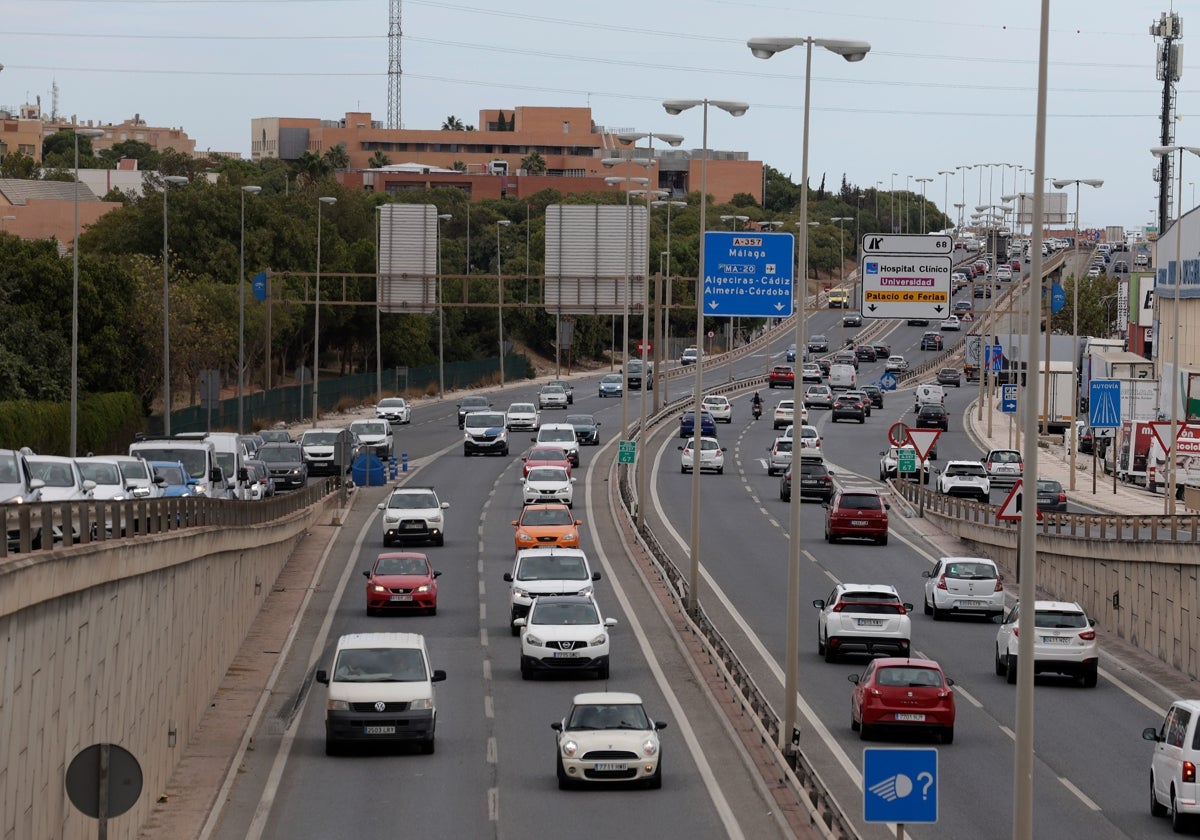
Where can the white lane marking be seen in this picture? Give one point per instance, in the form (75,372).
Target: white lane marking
(1012,735)
(487,670)
(482,588)
(711,783)
(489,707)
(1082,797)
(483,636)
(491,750)
(482,613)
(494,804)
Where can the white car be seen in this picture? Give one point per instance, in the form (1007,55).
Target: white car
(522,416)
(110,486)
(1064,642)
(1004,272)
(546,571)
(1173,786)
(811,372)
(548,484)
(552,396)
(816,395)
(394,410)
(413,513)
(951,323)
(561,435)
(965,478)
(688,357)
(62,481)
(957,585)
(810,439)
(564,633)
(864,618)
(889,462)
(785,414)
(895,364)
(373,436)
(719,407)
(612,726)
(712,456)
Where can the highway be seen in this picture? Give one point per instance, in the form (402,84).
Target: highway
(492,774)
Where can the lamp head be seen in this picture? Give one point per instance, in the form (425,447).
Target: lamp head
(767,47)
(89,132)
(327,199)
(503,222)
(175,180)
(632,136)
(675,107)
(250,189)
(445,216)
(609,163)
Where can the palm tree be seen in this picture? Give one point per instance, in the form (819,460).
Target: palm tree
(337,157)
(311,166)
(534,163)
(379,160)
(453,123)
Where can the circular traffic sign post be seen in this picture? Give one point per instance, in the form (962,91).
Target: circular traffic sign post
(898,434)
(104,781)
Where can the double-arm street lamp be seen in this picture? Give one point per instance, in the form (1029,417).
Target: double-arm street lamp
(850,51)
(246,190)
(612,181)
(1160,152)
(325,199)
(664,322)
(1059,184)
(923,182)
(842,263)
(79,132)
(168,182)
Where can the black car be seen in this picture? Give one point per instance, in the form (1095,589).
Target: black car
(816,480)
(848,408)
(875,393)
(864,353)
(949,376)
(852,320)
(818,344)
(585,429)
(1050,495)
(882,351)
(918,322)
(470,404)
(285,463)
(933,416)
(982,290)
(931,341)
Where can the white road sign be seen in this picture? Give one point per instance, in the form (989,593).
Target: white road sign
(897,286)
(907,243)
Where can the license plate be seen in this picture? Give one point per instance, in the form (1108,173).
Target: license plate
(1056,640)
(969,603)
(910,717)
(379,730)
(609,766)
(413,526)
(565,654)
(858,522)
(400,598)
(870,622)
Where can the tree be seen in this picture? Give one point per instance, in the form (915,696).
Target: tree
(534,163)
(453,123)
(311,167)
(17,165)
(145,154)
(338,158)
(741,200)
(379,160)
(459,166)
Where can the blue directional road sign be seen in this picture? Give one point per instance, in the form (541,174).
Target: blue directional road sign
(260,285)
(748,274)
(1104,403)
(900,785)
(1008,399)
(1058,299)
(993,356)
(888,382)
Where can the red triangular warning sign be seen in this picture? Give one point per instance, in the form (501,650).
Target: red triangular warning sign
(1010,509)
(923,440)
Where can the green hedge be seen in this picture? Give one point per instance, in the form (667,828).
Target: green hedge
(107,424)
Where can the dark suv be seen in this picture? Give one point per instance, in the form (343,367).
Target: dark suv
(931,341)
(864,353)
(816,480)
(470,404)
(875,393)
(933,416)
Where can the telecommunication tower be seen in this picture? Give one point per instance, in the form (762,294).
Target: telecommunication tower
(1168,69)
(394,72)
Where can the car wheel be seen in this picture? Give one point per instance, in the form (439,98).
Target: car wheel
(948,735)
(882,540)
(1157,809)
(882,475)
(720,470)
(1000,666)
(602,671)
(386,542)
(431,611)
(526,672)
(683,470)
(864,732)
(564,782)
(441,540)
(820,644)
(428,745)
(787,497)
(370,612)
(937,614)
(1089,676)
(1010,669)
(830,654)
(1179,823)
(862,420)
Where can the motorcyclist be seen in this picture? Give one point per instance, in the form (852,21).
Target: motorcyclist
(756,405)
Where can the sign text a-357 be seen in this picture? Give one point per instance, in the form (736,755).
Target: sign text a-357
(748,274)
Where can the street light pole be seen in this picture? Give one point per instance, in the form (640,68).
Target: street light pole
(168,182)
(738,221)
(325,199)
(500,295)
(946,190)
(664,327)
(442,217)
(85,132)
(842,263)
(923,182)
(851,51)
(246,190)
(1058,185)
(613,180)
(892,194)
(736,109)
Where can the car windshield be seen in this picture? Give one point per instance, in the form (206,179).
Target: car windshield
(552,568)
(392,402)
(860,501)
(134,468)
(410,500)
(812,466)
(612,379)
(581,420)
(473,402)
(319,438)
(1045,485)
(521,408)
(546,516)
(559,435)
(966,469)
(369,427)
(558,614)
(275,436)
(548,474)
(195,461)
(553,389)
(225,462)
(908,677)
(707,445)
(173,475)
(932,409)
(1059,619)
(100,473)
(717,401)
(870,602)
(971,571)
(380,665)
(609,716)
(783,446)
(55,475)
(484,420)
(547,454)
(402,566)
(280,453)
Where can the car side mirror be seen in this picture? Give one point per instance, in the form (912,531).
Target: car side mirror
(610,622)
(1150,734)
(381,505)
(997,619)
(819,603)
(854,678)
(680,448)
(438,676)
(578,521)
(508,578)
(322,677)
(949,681)
(886,506)
(243,474)
(556,726)
(598,423)
(660,724)
(595,576)
(908,607)
(437,574)
(519,622)
(366,573)
(514,523)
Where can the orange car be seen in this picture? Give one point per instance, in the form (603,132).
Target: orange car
(543,526)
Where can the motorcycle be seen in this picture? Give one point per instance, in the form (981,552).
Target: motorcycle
(756,409)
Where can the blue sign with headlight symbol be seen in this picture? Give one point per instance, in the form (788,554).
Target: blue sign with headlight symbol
(900,785)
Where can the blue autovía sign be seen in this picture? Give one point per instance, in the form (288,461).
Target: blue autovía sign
(748,274)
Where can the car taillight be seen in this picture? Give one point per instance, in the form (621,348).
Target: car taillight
(999,584)
(941,584)
(1062,497)
(1088,635)
(1189,772)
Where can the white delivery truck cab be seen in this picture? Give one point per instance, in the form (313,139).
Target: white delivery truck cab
(199,458)
(380,690)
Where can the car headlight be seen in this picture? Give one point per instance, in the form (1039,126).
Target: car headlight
(649,747)
(570,535)
(421,705)
(518,592)
(200,489)
(586,592)
(375,587)
(338,706)
(523,537)
(437,517)
(536,641)
(388,516)
(598,640)
(569,748)
(423,588)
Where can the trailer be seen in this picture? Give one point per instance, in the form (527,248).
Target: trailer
(1114,234)
(1062,395)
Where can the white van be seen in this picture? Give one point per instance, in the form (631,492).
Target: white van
(199,458)
(1173,788)
(843,377)
(380,689)
(928,393)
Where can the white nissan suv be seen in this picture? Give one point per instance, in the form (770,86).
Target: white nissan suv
(863,618)
(965,478)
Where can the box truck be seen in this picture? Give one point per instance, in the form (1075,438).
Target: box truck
(1062,395)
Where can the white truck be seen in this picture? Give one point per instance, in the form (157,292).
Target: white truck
(1062,395)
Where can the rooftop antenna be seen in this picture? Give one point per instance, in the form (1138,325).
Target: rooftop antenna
(394,72)
(1168,69)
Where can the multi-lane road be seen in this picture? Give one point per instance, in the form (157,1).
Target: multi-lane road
(493,772)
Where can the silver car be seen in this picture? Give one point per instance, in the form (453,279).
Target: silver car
(818,395)
(957,585)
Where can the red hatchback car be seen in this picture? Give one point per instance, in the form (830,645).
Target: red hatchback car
(782,376)
(545,456)
(401,581)
(898,694)
(857,512)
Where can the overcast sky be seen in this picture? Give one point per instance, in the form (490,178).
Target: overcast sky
(946,83)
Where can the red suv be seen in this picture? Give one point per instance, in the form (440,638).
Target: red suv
(860,512)
(782,376)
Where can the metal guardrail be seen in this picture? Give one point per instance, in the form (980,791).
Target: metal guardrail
(94,521)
